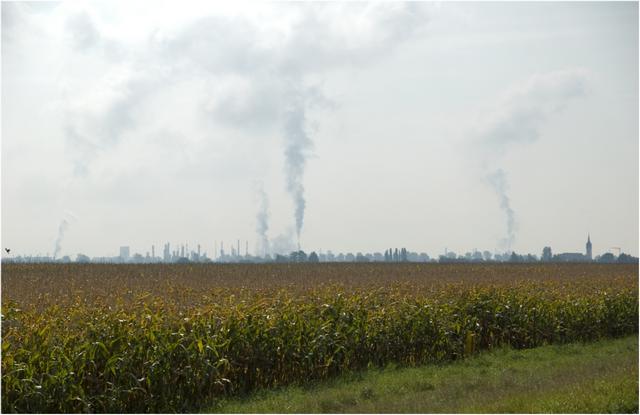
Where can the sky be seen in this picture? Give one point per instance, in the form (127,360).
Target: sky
(350,127)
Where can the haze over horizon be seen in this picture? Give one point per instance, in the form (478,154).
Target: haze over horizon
(346,126)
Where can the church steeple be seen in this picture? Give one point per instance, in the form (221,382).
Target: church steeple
(589,254)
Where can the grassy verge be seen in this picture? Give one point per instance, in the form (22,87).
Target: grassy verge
(579,378)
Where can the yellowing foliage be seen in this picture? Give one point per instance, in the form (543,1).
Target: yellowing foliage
(90,338)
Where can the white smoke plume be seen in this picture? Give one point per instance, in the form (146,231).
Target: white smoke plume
(297,144)
(498,181)
(283,244)
(262,222)
(379,29)
(67,219)
(517,119)
(62,228)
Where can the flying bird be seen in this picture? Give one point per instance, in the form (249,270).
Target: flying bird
(7,249)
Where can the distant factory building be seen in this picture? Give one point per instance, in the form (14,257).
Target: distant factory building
(166,252)
(124,253)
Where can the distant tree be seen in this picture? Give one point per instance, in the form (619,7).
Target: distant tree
(546,254)
(403,255)
(627,259)
(183,260)
(82,258)
(515,257)
(501,257)
(486,255)
(361,258)
(298,256)
(396,255)
(280,258)
(607,258)
(313,257)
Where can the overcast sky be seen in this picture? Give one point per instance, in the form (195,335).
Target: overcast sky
(497,126)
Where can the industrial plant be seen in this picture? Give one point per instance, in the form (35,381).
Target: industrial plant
(183,253)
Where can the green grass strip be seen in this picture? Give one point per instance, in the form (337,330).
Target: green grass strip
(599,377)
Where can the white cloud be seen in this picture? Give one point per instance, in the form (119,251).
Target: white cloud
(523,109)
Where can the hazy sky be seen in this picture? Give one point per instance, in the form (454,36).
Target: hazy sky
(362,126)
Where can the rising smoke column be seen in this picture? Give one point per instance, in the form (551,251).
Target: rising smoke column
(62,228)
(498,180)
(67,219)
(517,119)
(262,221)
(297,146)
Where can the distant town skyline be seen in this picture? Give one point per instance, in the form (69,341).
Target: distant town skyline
(183,253)
(353,127)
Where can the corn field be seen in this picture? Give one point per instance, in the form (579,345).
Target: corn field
(161,338)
